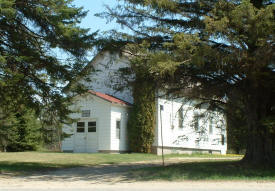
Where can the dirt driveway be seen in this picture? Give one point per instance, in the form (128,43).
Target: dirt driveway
(100,175)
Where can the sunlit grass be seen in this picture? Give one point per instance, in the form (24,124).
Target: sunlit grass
(208,170)
(20,162)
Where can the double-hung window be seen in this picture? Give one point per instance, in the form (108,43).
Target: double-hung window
(80,127)
(91,126)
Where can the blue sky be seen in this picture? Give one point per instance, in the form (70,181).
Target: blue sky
(91,21)
(96,6)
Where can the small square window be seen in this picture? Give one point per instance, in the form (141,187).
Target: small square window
(85,113)
(91,126)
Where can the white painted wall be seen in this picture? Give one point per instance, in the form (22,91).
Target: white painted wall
(119,113)
(105,114)
(100,111)
(106,78)
(187,137)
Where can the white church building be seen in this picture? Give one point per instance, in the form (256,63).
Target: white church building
(101,123)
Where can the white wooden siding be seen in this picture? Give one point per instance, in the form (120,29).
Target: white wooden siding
(119,113)
(105,77)
(104,81)
(100,111)
(187,137)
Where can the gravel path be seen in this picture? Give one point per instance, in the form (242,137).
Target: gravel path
(101,174)
(115,177)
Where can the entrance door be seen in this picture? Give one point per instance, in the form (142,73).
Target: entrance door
(86,136)
(80,137)
(91,136)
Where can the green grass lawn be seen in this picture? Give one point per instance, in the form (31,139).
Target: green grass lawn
(22,162)
(35,161)
(209,170)
(228,169)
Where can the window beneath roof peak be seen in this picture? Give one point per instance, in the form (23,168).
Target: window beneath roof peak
(85,113)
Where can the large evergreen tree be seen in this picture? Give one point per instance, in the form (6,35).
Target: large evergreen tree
(142,118)
(219,51)
(32,35)
(21,130)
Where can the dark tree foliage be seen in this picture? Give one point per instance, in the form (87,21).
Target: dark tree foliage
(212,50)
(32,33)
(236,128)
(141,124)
(142,118)
(21,131)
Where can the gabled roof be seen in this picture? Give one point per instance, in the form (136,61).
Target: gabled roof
(109,98)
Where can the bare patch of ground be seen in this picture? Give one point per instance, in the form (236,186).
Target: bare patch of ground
(113,177)
(99,174)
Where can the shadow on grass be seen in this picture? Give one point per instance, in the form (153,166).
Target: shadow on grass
(108,173)
(208,170)
(29,167)
(218,170)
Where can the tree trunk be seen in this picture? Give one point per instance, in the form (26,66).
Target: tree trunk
(238,150)
(259,149)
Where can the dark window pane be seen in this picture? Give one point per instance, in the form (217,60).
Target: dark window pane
(93,123)
(118,129)
(196,123)
(223,139)
(80,127)
(91,129)
(118,124)
(80,124)
(180,115)
(91,126)
(80,130)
